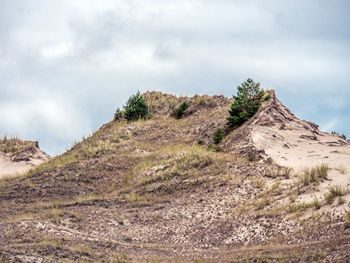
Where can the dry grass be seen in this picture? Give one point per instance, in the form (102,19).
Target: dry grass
(334,191)
(279,171)
(316,203)
(259,183)
(262,203)
(14,145)
(346,219)
(180,161)
(298,207)
(314,175)
(5,179)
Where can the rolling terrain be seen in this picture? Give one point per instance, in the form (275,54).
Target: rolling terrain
(275,189)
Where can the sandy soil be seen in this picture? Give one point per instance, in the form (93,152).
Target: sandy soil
(21,162)
(7,167)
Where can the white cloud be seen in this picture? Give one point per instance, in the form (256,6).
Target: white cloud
(66,65)
(56,51)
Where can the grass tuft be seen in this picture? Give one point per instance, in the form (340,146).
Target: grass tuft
(316,203)
(314,175)
(334,191)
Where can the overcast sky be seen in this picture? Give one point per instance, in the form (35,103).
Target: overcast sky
(66,65)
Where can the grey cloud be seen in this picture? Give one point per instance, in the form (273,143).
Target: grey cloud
(79,60)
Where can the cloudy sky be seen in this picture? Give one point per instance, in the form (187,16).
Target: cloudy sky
(65,65)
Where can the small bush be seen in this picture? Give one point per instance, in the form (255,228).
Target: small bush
(267,97)
(181,109)
(200,142)
(343,136)
(118,114)
(135,108)
(218,136)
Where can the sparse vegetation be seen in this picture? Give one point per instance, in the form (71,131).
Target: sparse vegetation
(316,203)
(267,97)
(136,108)
(346,219)
(336,133)
(14,145)
(218,136)
(259,183)
(246,103)
(334,191)
(279,171)
(314,175)
(298,207)
(118,114)
(181,109)
(143,187)
(342,169)
(262,203)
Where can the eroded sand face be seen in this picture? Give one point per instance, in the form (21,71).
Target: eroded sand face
(299,144)
(302,148)
(9,166)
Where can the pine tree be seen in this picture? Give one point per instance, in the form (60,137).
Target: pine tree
(246,103)
(135,108)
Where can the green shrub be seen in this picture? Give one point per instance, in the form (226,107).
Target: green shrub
(343,136)
(118,114)
(136,108)
(200,142)
(246,103)
(267,97)
(218,136)
(181,109)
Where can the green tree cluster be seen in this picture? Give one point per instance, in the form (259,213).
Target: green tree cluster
(135,108)
(246,103)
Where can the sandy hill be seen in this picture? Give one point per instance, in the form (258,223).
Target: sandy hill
(18,156)
(275,189)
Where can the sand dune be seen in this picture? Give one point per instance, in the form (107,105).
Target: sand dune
(21,161)
(297,143)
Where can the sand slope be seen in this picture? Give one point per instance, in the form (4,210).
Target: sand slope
(21,161)
(297,143)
